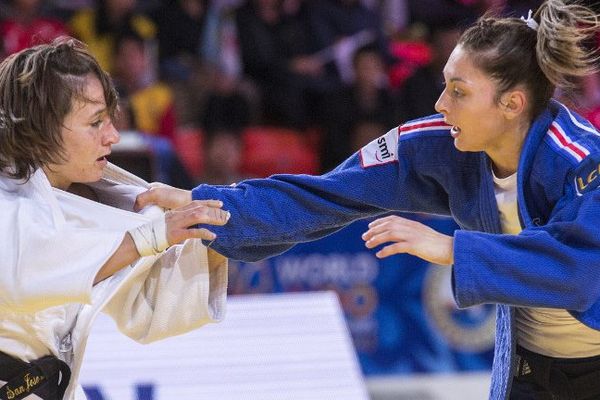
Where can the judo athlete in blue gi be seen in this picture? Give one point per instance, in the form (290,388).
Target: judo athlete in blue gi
(518,171)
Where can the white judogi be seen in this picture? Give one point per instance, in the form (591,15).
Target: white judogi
(53,243)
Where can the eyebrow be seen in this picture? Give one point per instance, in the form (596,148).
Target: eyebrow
(98,112)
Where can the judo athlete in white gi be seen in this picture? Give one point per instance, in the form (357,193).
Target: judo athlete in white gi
(65,256)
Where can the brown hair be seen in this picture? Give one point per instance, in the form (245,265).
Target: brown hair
(37,88)
(540,59)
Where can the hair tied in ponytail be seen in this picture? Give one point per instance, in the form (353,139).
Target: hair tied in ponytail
(530,21)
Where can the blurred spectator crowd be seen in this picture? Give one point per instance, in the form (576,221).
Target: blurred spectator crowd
(218,90)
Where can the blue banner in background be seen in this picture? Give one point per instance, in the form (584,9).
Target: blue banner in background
(400,310)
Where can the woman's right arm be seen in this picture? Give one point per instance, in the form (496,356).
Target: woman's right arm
(47,262)
(177,223)
(392,173)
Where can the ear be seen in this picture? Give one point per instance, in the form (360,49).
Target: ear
(513,103)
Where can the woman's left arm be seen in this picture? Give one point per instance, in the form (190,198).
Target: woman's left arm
(556,265)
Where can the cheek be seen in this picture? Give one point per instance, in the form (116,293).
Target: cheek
(82,155)
(489,130)
(478,115)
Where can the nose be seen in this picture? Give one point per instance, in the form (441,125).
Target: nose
(440,105)
(111,135)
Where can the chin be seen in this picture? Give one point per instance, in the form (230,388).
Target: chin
(462,146)
(97,178)
(91,178)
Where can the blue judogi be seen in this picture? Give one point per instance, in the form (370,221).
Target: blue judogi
(554,262)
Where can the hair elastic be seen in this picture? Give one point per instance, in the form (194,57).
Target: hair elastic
(530,21)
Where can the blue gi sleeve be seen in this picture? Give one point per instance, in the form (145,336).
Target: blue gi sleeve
(268,216)
(556,265)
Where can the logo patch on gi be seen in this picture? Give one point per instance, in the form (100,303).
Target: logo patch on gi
(380,151)
(587,177)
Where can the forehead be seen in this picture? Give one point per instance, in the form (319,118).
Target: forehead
(91,94)
(460,66)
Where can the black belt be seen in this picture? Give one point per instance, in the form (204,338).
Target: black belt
(565,378)
(46,377)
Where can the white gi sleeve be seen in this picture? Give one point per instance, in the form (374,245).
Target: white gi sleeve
(184,289)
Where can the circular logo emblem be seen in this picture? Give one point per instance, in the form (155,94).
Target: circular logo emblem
(470,329)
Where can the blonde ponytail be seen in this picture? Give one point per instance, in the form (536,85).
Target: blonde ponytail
(562,32)
(540,53)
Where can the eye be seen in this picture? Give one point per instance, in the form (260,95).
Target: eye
(457,92)
(97,123)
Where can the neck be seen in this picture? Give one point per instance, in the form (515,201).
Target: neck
(505,157)
(55,180)
(83,191)
(504,171)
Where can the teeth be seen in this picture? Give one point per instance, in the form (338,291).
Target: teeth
(455,130)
